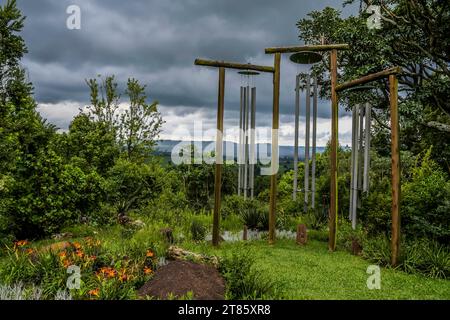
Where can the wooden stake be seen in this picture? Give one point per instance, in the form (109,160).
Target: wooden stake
(395,154)
(219,157)
(334,160)
(274,162)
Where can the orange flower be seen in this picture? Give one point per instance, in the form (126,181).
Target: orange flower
(108,272)
(148,270)
(21,243)
(149,253)
(63,255)
(67,263)
(92,258)
(94,292)
(79,253)
(77,245)
(30,251)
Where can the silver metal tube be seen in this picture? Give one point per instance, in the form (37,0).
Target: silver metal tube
(307,138)
(352,164)
(314,137)
(360,153)
(252,143)
(297,115)
(239,148)
(367,147)
(246,108)
(355,168)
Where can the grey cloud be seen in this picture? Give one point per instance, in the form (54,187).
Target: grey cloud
(157,41)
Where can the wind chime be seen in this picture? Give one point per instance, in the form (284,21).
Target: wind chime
(247,136)
(306,58)
(360,157)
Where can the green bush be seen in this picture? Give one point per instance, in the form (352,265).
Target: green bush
(243,281)
(346,235)
(377,250)
(426,257)
(426,202)
(198,230)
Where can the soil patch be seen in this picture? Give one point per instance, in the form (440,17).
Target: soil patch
(180,277)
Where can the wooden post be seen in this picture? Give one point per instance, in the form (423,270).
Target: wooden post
(274,162)
(395,154)
(334,160)
(219,157)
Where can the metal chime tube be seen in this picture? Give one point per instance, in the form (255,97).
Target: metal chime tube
(307,132)
(352,164)
(243,143)
(367,147)
(360,153)
(247,105)
(252,143)
(314,137)
(239,148)
(297,115)
(355,166)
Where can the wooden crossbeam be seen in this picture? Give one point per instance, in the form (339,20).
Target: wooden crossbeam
(233,65)
(368,78)
(320,47)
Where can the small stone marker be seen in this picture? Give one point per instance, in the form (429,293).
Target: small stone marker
(244,235)
(302,235)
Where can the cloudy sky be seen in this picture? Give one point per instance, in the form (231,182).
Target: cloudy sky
(157,41)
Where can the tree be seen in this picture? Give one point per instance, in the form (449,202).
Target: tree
(136,126)
(414,36)
(140,124)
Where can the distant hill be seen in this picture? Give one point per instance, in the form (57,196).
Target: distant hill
(166,147)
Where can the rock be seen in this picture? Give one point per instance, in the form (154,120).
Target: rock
(356,247)
(176,253)
(168,234)
(64,235)
(302,234)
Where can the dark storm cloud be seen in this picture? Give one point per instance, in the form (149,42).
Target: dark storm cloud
(157,41)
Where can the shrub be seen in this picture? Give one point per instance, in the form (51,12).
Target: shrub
(426,201)
(243,281)
(198,230)
(377,250)
(426,257)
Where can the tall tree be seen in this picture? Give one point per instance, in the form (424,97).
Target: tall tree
(414,36)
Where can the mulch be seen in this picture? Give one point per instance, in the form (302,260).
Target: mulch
(180,277)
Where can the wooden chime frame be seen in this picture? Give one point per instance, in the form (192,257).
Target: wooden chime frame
(391,74)
(222,65)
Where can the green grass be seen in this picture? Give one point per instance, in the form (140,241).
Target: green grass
(311,272)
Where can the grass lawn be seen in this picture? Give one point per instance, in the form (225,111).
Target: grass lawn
(311,272)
